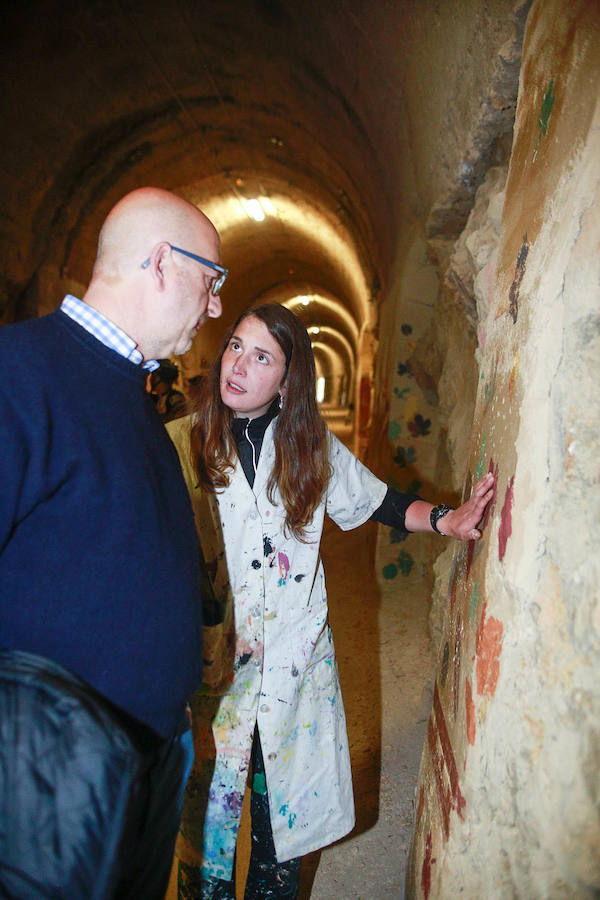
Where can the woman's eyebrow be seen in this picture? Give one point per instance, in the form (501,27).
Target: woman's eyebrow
(264,352)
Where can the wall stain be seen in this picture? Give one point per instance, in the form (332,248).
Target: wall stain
(453,583)
(456,660)
(514,374)
(513,294)
(445,662)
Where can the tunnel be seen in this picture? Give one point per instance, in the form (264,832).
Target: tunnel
(418,180)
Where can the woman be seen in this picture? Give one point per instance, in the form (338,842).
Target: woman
(263,469)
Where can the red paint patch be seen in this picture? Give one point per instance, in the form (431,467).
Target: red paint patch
(427,863)
(443,765)
(438,771)
(505,530)
(470,712)
(489,648)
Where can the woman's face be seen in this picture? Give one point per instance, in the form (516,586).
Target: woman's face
(252,369)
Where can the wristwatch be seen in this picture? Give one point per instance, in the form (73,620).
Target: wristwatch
(436,514)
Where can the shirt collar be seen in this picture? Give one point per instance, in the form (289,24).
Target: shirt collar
(258,426)
(105,331)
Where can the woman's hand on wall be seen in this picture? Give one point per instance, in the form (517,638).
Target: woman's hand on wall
(458,523)
(462,523)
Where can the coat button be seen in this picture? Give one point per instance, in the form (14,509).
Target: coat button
(255,563)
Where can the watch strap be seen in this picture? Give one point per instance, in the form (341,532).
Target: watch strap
(437,513)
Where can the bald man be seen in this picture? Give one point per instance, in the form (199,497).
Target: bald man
(100,617)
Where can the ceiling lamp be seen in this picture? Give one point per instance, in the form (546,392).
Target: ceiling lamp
(254,209)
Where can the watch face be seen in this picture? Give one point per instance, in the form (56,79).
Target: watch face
(437,513)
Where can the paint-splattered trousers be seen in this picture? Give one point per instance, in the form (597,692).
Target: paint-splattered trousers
(266,877)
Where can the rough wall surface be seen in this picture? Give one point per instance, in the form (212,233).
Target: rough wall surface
(508,799)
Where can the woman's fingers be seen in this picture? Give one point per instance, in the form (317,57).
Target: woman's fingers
(463,521)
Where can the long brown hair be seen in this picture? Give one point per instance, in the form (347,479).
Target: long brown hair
(301,470)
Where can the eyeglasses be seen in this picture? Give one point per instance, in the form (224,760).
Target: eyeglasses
(219,280)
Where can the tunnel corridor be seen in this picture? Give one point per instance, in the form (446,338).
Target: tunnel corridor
(414,179)
(287,123)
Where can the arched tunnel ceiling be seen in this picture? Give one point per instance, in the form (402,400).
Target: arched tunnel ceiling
(295,101)
(219,101)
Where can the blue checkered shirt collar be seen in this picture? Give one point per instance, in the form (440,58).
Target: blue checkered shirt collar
(106,331)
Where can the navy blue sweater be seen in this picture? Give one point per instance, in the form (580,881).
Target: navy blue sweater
(98,555)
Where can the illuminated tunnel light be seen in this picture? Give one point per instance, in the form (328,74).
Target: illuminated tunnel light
(254,209)
(320,389)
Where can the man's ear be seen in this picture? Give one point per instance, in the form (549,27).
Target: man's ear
(159,260)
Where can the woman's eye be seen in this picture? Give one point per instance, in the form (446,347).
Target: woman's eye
(262,358)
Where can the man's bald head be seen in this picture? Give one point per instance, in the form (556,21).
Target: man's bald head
(142,219)
(159,297)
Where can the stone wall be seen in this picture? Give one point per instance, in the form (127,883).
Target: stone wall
(508,802)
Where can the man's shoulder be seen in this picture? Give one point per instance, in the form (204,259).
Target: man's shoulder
(27,332)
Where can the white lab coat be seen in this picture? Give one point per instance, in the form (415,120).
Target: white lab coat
(272,661)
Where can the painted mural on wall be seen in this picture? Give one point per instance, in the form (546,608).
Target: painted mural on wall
(471,655)
(412,430)
(474,679)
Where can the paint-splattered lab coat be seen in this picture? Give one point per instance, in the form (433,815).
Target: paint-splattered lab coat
(271,661)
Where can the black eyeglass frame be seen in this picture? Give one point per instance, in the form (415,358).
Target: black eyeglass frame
(218,282)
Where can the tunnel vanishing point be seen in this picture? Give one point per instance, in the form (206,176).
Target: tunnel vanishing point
(420,182)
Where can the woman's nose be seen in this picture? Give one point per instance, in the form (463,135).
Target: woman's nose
(239,365)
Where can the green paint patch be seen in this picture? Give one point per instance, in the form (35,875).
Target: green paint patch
(481,461)
(405,456)
(544,117)
(405,562)
(259,784)
(474,603)
(401,394)
(394,430)
(390,571)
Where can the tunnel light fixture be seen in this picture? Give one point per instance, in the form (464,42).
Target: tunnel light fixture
(258,207)
(304,300)
(314,330)
(267,205)
(254,209)
(320,389)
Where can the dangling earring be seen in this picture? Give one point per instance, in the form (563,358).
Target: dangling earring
(280,402)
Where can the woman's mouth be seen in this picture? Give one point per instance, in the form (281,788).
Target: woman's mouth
(232,386)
